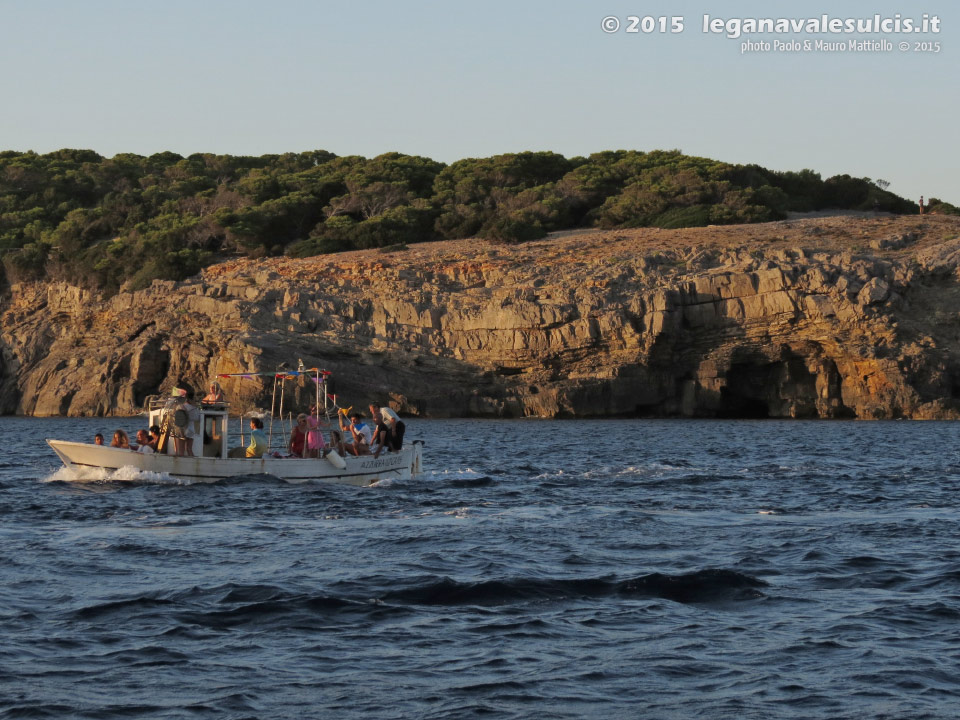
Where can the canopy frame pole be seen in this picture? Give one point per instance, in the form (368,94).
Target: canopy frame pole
(273,406)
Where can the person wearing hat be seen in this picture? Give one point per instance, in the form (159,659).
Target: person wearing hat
(181,418)
(168,423)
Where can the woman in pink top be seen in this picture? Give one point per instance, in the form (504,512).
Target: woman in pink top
(315,442)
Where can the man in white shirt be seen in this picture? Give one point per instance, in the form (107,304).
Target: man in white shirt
(362,435)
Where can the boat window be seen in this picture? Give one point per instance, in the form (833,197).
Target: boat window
(212,436)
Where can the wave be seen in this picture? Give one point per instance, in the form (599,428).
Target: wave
(472,482)
(130,606)
(40,710)
(234,605)
(461,473)
(703,586)
(221,607)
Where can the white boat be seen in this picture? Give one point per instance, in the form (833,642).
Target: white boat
(363,470)
(211,463)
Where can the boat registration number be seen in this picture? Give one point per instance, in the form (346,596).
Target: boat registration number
(380,463)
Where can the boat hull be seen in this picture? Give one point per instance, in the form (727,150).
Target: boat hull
(363,470)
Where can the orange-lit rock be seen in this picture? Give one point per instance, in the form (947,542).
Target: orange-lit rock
(830,317)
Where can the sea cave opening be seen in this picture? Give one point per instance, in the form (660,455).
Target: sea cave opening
(758,388)
(735,405)
(750,388)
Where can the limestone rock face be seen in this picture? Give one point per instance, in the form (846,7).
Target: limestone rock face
(831,318)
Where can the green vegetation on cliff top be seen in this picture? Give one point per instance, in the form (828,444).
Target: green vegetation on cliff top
(124,221)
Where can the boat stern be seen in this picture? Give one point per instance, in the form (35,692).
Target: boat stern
(416,460)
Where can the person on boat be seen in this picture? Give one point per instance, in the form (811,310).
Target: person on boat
(258,442)
(396,429)
(155,436)
(143,441)
(182,419)
(98,439)
(258,439)
(170,410)
(381,433)
(215,395)
(360,432)
(336,443)
(193,422)
(150,438)
(120,440)
(389,432)
(298,438)
(315,442)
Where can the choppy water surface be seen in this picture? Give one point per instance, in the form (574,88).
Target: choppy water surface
(614,569)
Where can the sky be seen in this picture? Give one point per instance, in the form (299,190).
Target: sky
(452,80)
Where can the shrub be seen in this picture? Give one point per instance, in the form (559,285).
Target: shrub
(26,264)
(74,214)
(512,229)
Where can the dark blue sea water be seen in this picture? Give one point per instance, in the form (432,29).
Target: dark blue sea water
(603,569)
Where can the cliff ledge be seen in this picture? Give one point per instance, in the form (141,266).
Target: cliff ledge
(827,317)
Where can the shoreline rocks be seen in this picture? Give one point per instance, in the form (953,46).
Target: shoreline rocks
(829,317)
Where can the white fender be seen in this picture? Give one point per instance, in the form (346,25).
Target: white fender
(334,458)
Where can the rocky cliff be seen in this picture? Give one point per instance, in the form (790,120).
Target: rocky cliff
(830,317)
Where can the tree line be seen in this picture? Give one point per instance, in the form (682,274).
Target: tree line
(127,220)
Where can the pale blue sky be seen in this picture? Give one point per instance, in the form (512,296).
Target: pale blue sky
(448,80)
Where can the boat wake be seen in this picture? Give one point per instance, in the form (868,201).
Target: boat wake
(126,474)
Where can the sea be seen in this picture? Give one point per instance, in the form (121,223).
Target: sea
(537,569)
